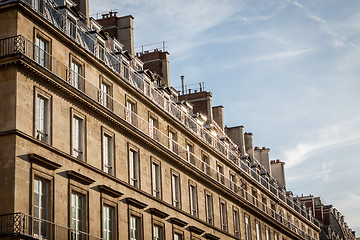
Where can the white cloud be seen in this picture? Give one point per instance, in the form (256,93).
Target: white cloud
(347,132)
(282,55)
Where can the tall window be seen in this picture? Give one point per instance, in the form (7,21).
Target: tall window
(41,207)
(258,233)
(158,233)
(156,180)
(223,216)
(189,151)
(236,223)
(134,168)
(108,222)
(130,110)
(220,173)
(247,228)
(108,154)
(71,25)
(105,94)
(134,228)
(206,164)
(209,208)
(78,137)
(232,181)
(172,141)
(77,215)
(177,236)
(152,127)
(193,200)
(42,48)
(42,118)
(76,75)
(267,234)
(276,237)
(175,178)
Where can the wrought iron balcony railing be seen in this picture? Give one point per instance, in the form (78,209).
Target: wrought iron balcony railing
(23,225)
(19,44)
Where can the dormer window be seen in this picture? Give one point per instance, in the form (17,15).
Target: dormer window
(71,26)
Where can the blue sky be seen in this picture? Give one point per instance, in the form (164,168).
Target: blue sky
(289,71)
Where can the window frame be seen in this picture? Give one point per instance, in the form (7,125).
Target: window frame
(85,196)
(223,215)
(205,163)
(47,51)
(178,190)
(247,227)
(236,222)
(74,60)
(190,151)
(258,230)
(159,178)
(153,127)
(136,150)
(83,141)
(139,217)
(107,133)
(173,143)
(209,207)
(193,200)
(220,174)
(105,202)
(131,114)
(49,117)
(160,225)
(108,103)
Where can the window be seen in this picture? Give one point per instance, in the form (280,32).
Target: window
(257,228)
(105,94)
(77,215)
(71,26)
(236,223)
(189,152)
(172,141)
(232,181)
(220,173)
(206,163)
(223,216)
(156,179)
(41,207)
(37,5)
(158,233)
(76,75)
(209,208)
(108,153)
(247,228)
(193,200)
(134,228)
(78,137)
(152,127)
(108,222)
(175,178)
(276,237)
(41,52)
(134,168)
(178,236)
(42,118)
(130,110)
(267,234)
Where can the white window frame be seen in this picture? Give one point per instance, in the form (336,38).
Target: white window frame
(105,94)
(157,232)
(43,118)
(108,153)
(130,111)
(135,230)
(223,215)
(175,186)
(247,228)
(77,206)
(76,74)
(257,230)
(134,167)
(108,222)
(193,200)
(41,202)
(172,141)
(156,179)
(220,173)
(41,52)
(209,208)
(78,137)
(267,233)
(236,219)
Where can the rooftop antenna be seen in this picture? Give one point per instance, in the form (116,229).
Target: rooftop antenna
(182,84)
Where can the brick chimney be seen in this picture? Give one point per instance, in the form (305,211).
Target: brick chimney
(249,145)
(236,134)
(158,62)
(278,171)
(120,28)
(201,102)
(263,156)
(218,116)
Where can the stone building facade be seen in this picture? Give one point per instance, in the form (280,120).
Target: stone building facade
(94,146)
(332,222)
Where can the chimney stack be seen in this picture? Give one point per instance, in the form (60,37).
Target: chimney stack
(263,156)
(218,116)
(237,135)
(278,171)
(83,7)
(249,145)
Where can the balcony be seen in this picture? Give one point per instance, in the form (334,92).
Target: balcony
(25,226)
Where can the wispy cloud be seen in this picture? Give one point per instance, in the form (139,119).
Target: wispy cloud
(347,132)
(282,55)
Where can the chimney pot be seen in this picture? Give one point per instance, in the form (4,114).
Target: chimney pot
(263,148)
(277,160)
(257,148)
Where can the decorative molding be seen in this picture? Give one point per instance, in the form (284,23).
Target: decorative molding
(79,177)
(109,191)
(210,236)
(196,230)
(158,213)
(178,222)
(136,203)
(35,158)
